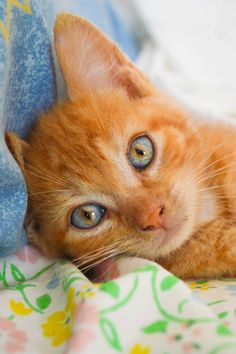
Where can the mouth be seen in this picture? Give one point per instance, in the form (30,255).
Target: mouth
(167,232)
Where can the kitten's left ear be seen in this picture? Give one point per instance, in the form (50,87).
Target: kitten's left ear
(17,147)
(90,61)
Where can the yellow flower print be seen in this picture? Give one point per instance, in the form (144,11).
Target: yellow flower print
(88,291)
(138,349)
(10,4)
(19,308)
(199,285)
(59,324)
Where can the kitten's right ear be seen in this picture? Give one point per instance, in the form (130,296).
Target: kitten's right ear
(17,147)
(91,61)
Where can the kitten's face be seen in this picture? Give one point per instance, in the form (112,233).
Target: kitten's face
(104,171)
(113,170)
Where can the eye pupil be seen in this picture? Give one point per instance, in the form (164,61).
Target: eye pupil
(87,216)
(141,152)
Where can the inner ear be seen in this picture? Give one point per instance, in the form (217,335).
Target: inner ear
(90,61)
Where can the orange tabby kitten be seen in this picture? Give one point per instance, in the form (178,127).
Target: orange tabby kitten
(119,169)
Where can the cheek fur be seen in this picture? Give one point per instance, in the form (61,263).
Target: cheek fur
(97,166)
(181,213)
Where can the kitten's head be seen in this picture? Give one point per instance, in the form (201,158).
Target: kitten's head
(111,169)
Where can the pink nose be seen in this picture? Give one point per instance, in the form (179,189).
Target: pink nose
(151,219)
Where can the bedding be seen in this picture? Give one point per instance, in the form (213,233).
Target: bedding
(137,307)
(192,56)
(48,306)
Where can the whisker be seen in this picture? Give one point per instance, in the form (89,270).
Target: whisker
(86,261)
(215,187)
(214,162)
(90,266)
(118,246)
(44,174)
(202,162)
(106,247)
(45,178)
(223,195)
(217,172)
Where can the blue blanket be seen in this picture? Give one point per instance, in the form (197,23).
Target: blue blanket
(30,83)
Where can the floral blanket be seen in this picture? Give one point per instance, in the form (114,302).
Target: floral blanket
(138,308)
(134,306)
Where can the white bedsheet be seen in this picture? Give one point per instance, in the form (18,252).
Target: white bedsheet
(192,52)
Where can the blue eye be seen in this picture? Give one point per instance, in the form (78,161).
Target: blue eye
(141,152)
(87,216)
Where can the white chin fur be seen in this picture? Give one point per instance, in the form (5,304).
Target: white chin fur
(206,213)
(177,240)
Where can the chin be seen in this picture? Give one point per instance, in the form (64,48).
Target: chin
(172,240)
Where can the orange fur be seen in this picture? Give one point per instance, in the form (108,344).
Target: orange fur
(77,153)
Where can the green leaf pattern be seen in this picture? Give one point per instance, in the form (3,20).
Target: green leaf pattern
(145,311)
(43,301)
(111,288)
(17,274)
(109,331)
(158,326)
